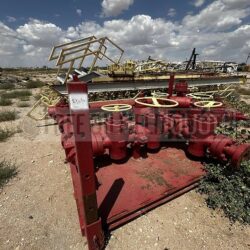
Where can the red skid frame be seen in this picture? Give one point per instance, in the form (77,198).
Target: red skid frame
(108,196)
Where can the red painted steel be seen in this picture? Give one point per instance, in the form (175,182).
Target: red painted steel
(117,132)
(171,85)
(181,88)
(115,188)
(97,105)
(204,142)
(129,189)
(83,173)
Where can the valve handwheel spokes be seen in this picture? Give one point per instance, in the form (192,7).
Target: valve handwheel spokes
(159,94)
(156,102)
(199,96)
(116,107)
(208,104)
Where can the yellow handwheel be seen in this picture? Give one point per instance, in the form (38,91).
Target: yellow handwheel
(159,94)
(116,107)
(200,96)
(155,102)
(208,104)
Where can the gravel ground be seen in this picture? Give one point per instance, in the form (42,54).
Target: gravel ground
(37,208)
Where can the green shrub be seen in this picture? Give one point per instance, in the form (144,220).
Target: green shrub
(228,190)
(7,86)
(225,188)
(23,104)
(7,171)
(7,116)
(5,102)
(34,84)
(5,134)
(16,94)
(235,102)
(243,91)
(239,130)
(24,98)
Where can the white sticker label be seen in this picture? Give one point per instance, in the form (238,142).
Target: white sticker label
(78,101)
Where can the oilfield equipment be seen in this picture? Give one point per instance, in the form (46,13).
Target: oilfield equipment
(130,139)
(78,51)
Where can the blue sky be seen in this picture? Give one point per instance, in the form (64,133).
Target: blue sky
(169,30)
(63,12)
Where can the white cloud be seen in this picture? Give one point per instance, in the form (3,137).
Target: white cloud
(40,34)
(115,7)
(171,12)
(235,45)
(140,30)
(217,16)
(218,32)
(198,3)
(236,3)
(10,19)
(10,43)
(79,12)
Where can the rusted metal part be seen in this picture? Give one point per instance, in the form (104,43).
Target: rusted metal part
(90,205)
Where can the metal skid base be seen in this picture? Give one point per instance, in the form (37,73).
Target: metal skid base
(130,189)
(108,194)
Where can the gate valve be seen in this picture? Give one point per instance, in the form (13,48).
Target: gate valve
(200,96)
(67,141)
(208,104)
(156,102)
(100,140)
(168,124)
(139,134)
(154,121)
(154,126)
(139,139)
(181,126)
(238,154)
(117,130)
(224,148)
(181,88)
(221,148)
(181,97)
(140,112)
(203,125)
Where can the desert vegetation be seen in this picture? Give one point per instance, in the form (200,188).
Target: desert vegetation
(7,171)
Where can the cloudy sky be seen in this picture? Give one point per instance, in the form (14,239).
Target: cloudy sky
(219,29)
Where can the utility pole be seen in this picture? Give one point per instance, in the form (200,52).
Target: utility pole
(192,60)
(248,57)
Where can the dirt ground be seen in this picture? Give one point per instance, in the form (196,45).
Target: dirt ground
(38,211)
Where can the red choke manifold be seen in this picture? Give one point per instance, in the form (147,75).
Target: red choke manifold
(151,125)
